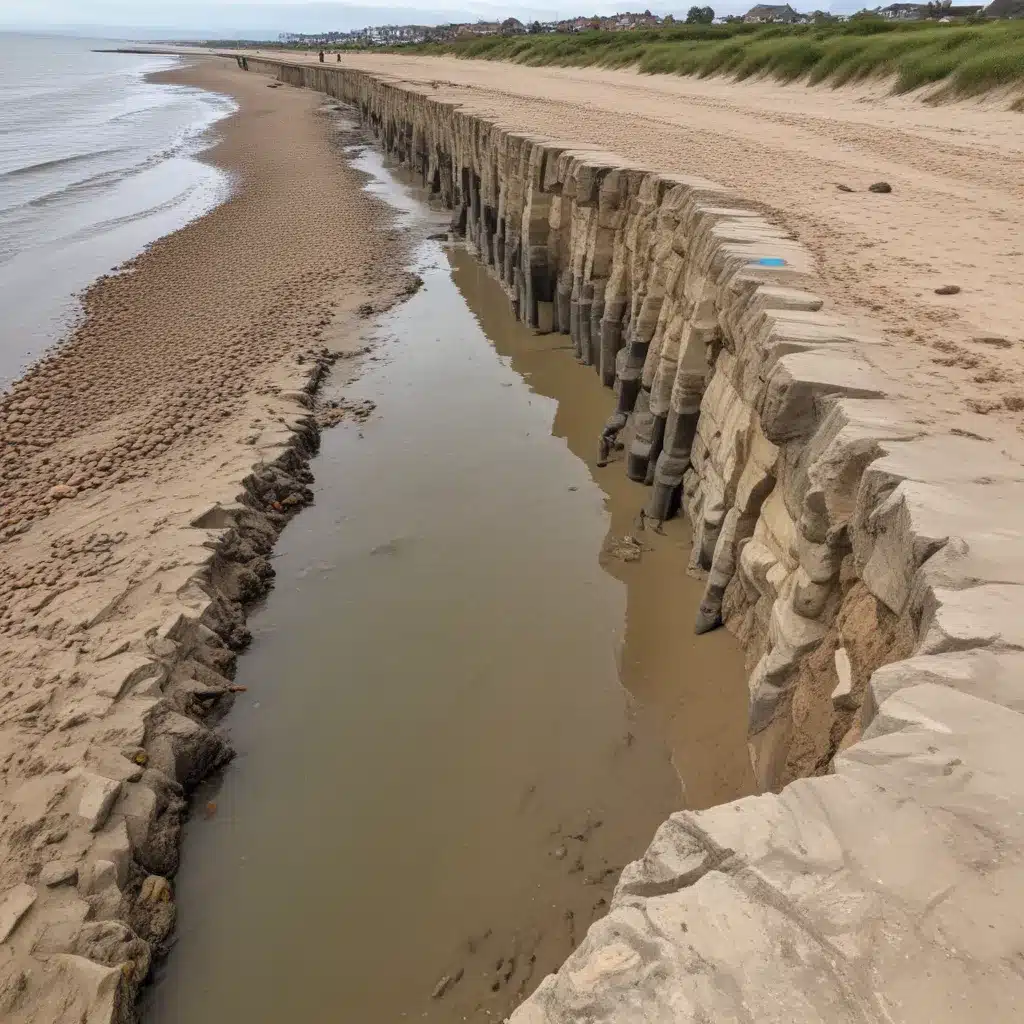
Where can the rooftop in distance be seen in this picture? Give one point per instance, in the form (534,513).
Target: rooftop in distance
(760,14)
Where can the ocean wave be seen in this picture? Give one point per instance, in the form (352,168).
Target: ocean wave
(189,142)
(103,164)
(204,193)
(63,161)
(204,108)
(111,223)
(74,190)
(189,194)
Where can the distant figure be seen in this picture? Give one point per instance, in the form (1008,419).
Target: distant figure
(339,58)
(321,56)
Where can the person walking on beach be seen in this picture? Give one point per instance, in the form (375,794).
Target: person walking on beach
(321,56)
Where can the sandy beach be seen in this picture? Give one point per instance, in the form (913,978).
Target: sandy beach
(148,464)
(118,453)
(178,340)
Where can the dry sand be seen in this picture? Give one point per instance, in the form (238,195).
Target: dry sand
(182,377)
(955,215)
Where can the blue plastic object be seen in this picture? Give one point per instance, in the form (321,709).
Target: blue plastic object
(770,261)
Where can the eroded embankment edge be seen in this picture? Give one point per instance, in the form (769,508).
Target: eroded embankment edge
(80,934)
(91,826)
(871,568)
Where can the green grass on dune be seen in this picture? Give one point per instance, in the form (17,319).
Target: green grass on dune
(963,59)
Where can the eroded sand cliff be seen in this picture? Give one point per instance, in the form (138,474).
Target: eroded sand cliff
(869,561)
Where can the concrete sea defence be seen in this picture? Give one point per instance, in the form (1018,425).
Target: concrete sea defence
(870,567)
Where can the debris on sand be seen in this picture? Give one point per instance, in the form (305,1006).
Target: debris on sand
(345,410)
(882,187)
(626,549)
(413,284)
(948,289)
(474,942)
(587,831)
(442,988)
(600,876)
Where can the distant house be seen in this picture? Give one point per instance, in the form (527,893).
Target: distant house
(939,10)
(771,14)
(943,10)
(512,27)
(905,12)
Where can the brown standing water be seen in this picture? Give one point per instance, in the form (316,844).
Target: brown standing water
(462,712)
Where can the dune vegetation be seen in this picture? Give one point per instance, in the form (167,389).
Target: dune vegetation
(963,59)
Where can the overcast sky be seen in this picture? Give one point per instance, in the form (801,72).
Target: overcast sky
(266,19)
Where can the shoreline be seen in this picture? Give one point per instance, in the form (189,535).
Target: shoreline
(95,196)
(189,74)
(148,464)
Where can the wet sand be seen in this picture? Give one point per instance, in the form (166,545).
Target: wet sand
(461,716)
(693,687)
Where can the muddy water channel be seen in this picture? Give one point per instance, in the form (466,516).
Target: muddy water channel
(465,712)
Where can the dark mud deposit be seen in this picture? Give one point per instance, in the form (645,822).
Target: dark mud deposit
(463,706)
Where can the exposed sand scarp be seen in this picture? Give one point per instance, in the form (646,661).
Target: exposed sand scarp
(955,215)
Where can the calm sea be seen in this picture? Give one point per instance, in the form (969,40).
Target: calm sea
(95,163)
